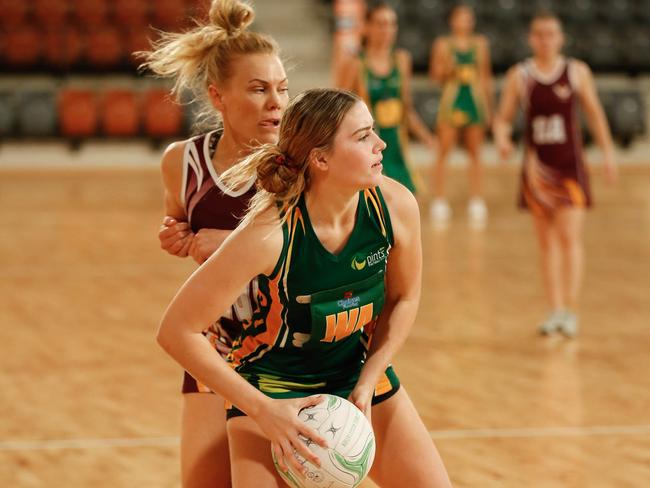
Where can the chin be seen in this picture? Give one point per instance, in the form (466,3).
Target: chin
(266,137)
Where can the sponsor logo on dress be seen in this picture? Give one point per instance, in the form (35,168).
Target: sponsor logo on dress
(562,91)
(359,261)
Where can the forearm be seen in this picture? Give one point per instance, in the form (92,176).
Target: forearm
(389,336)
(501,130)
(600,130)
(194,353)
(417,126)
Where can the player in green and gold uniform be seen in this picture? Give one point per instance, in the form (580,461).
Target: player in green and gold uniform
(335,247)
(460,62)
(382,75)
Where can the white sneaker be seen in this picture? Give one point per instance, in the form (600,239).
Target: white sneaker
(477,211)
(440,211)
(553,323)
(569,324)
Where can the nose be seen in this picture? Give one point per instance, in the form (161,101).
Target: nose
(381,145)
(274,101)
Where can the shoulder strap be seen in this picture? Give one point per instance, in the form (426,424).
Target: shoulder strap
(378,212)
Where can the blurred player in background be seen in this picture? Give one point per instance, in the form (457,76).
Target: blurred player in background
(555,183)
(460,62)
(381,75)
(239,76)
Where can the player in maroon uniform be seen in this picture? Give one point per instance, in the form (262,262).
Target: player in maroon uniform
(554,183)
(240,76)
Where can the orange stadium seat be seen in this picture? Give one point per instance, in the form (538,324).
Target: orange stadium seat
(130,13)
(90,13)
(51,13)
(137,39)
(162,116)
(104,47)
(62,48)
(78,113)
(120,114)
(169,15)
(22,47)
(14,12)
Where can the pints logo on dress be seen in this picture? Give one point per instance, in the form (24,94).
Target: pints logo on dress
(562,91)
(359,261)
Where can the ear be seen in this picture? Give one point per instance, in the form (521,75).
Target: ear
(216,97)
(318,160)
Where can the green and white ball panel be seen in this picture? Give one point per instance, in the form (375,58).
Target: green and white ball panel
(351,450)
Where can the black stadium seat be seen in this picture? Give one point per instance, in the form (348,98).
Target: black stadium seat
(37,114)
(7,114)
(628,116)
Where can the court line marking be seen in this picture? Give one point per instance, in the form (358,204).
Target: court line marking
(496,433)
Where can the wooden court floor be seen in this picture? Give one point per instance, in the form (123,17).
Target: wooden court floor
(89,400)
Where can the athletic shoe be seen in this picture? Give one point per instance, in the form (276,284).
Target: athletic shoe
(477,211)
(552,323)
(569,324)
(440,211)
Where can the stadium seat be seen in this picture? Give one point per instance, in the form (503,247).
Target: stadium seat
(22,47)
(51,13)
(120,113)
(14,12)
(62,48)
(36,114)
(130,13)
(90,13)
(170,15)
(137,40)
(636,49)
(78,113)
(577,11)
(616,11)
(162,116)
(104,48)
(7,114)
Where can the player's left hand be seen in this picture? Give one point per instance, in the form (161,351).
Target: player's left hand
(206,242)
(361,397)
(611,170)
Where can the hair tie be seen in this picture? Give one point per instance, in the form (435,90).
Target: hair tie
(281,160)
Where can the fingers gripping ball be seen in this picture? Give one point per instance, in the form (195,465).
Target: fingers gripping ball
(351,450)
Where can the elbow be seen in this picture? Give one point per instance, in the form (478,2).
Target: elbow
(163,337)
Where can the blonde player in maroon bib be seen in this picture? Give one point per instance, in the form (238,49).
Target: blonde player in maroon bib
(555,182)
(239,76)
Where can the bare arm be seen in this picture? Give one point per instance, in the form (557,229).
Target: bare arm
(403,287)
(502,125)
(414,122)
(485,73)
(350,75)
(440,63)
(596,119)
(174,234)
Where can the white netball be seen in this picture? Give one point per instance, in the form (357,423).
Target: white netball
(347,460)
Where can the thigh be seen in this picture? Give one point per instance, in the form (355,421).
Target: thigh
(204,444)
(447,136)
(406,455)
(250,452)
(569,222)
(473,137)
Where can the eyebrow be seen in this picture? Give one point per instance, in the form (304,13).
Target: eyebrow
(369,127)
(265,82)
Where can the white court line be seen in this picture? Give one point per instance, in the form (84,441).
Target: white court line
(530,432)
(526,432)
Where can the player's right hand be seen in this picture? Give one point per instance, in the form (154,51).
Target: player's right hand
(175,237)
(281,425)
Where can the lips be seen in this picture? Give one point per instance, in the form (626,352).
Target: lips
(272,122)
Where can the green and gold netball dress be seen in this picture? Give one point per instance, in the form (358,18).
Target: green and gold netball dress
(317,311)
(461,103)
(385,99)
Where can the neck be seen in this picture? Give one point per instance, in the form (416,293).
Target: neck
(230,150)
(546,63)
(330,204)
(378,50)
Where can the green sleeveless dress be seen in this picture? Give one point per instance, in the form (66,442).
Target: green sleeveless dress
(385,99)
(317,310)
(461,103)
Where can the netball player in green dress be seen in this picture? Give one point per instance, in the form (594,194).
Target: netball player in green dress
(460,62)
(381,75)
(335,247)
